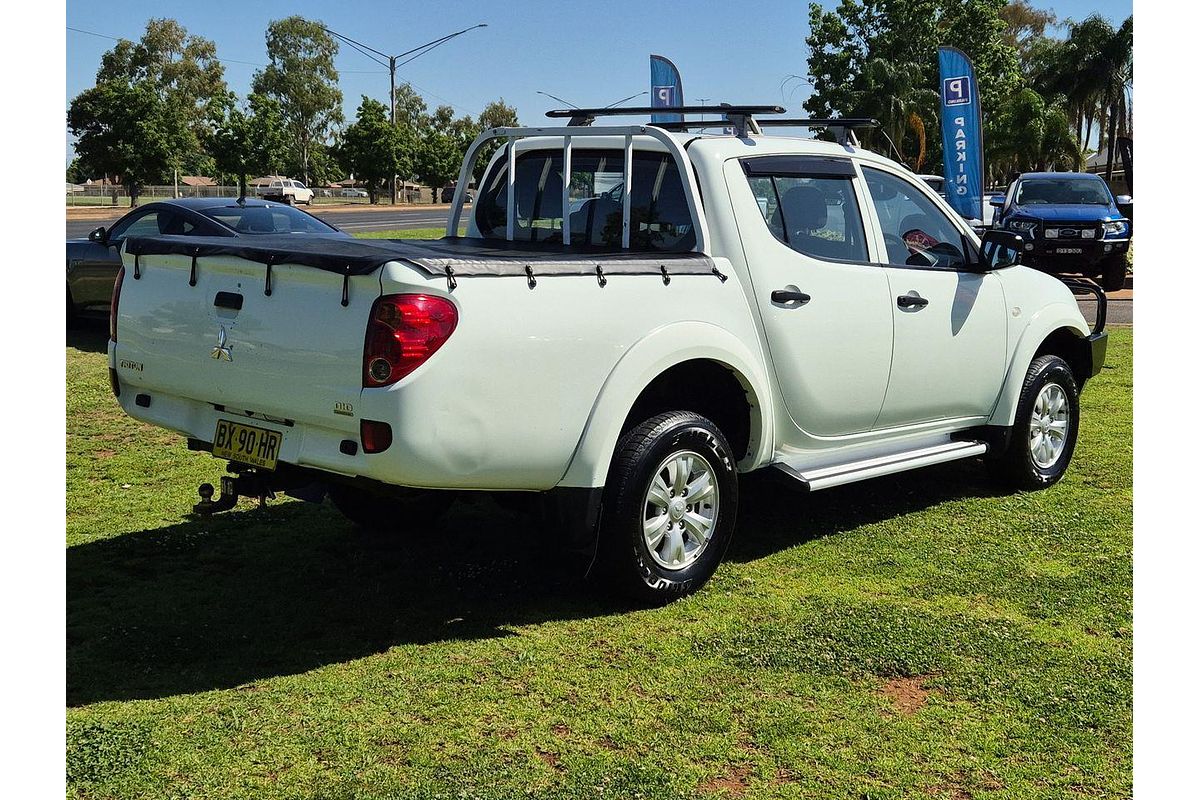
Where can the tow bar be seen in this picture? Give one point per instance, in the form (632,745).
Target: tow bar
(247,484)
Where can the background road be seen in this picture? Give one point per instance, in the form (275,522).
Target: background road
(351,221)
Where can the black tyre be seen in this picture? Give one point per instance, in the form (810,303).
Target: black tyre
(1045,429)
(1112,277)
(397,510)
(669,507)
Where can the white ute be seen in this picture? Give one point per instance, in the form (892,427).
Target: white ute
(636,315)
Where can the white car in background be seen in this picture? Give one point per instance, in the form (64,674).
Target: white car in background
(354,193)
(286,190)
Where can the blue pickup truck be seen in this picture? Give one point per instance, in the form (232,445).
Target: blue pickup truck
(1071,224)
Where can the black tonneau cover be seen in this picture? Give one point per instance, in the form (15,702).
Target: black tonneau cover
(452,256)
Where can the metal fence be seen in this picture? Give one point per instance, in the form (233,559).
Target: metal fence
(115,196)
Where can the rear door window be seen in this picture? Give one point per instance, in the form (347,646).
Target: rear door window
(812,213)
(659,217)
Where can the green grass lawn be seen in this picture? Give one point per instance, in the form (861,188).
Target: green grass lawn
(415,233)
(919,636)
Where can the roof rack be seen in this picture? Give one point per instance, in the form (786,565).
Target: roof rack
(843,128)
(740,118)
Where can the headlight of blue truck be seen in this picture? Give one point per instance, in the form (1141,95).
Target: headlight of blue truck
(1022,225)
(1118,228)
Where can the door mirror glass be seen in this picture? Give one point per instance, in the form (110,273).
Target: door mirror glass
(1124,200)
(1000,249)
(99,236)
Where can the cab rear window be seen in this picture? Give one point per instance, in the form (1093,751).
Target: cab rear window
(659,217)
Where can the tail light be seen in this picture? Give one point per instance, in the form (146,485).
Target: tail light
(112,308)
(403,332)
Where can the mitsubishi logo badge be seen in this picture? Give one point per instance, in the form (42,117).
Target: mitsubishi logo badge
(222,351)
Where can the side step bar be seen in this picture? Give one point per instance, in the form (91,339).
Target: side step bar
(825,477)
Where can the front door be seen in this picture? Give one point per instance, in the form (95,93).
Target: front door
(949,349)
(824,304)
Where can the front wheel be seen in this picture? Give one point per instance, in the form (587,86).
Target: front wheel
(669,507)
(1113,273)
(1045,429)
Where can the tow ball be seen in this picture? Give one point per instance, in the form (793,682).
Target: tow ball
(246,485)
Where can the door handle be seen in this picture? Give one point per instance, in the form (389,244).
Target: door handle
(911,301)
(789,296)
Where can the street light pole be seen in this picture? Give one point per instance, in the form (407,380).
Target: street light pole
(393,63)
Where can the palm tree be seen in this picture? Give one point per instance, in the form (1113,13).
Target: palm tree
(1093,70)
(891,93)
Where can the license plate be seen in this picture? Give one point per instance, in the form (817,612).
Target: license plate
(1069,251)
(246,444)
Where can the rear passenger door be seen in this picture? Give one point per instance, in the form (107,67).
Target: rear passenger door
(824,302)
(948,356)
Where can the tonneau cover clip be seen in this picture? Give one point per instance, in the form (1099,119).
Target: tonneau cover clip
(451,284)
(267,288)
(529,276)
(192,279)
(603,281)
(666,277)
(346,287)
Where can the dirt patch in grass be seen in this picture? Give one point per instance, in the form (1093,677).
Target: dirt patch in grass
(908,695)
(733,783)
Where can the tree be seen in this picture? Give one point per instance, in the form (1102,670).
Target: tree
(1033,136)
(183,70)
(302,77)
(864,51)
(125,130)
(250,141)
(153,103)
(410,107)
(374,149)
(441,144)
(1026,29)
(496,114)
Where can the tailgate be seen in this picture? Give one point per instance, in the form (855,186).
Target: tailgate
(294,354)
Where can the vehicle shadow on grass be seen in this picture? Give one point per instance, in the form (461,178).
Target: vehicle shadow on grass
(253,594)
(89,334)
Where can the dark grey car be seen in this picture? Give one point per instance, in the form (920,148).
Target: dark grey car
(92,263)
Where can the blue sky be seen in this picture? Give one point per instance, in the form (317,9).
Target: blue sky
(587,53)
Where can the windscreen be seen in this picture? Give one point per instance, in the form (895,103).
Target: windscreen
(1062,191)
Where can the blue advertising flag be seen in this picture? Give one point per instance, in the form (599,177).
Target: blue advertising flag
(666,88)
(962,133)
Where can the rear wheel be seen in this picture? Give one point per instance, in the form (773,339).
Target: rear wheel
(669,507)
(398,510)
(1113,273)
(1045,429)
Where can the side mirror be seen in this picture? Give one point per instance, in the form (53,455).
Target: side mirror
(1124,200)
(1000,249)
(996,201)
(99,236)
